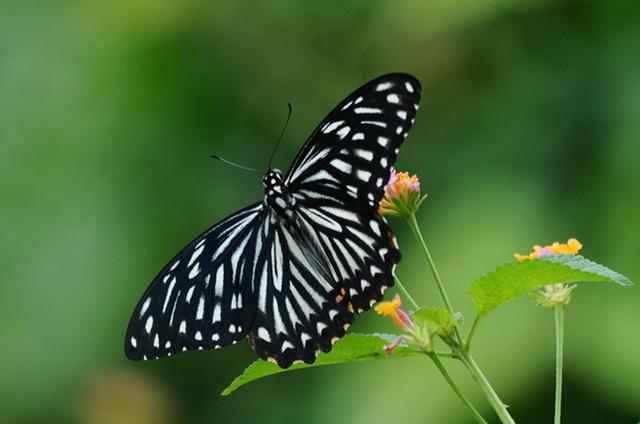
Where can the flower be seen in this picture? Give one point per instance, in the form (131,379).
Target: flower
(395,343)
(415,335)
(401,195)
(552,294)
(393,309)
(572,246)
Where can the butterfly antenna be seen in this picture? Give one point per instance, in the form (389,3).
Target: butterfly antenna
(235,165)
(284,128)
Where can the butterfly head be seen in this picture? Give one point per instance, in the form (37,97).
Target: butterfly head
(272,182)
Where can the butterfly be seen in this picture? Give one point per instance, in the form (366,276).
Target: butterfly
(289,273)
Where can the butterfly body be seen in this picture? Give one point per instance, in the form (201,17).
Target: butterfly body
(290,273)
(277,198)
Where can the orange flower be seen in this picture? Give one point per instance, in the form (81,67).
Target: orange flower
(401,195)
(393,309)
(572,246)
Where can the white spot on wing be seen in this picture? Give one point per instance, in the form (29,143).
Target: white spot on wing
(195,270)
(358,136)
(148,325)
(217,289)
(190,293)
(383,86)
(402,114)
(195,255)
(216,313)
(332,126)
(342,132)
(375,227)
(361,109)
(377,123)
(341,165)
(393,98)
(264,334)
(409,87)
(304,337)
(200,311)
(145,306)
(363,175)
(321,326)
(364,154)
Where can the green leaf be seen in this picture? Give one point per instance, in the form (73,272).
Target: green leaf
(351,348)
(517,278)
(437,319)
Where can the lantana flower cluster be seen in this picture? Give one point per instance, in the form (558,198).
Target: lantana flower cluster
(552,294)
(415,335)
(572,246)
(401,195)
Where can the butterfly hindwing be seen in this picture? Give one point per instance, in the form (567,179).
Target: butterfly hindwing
(202,299)
(297,310)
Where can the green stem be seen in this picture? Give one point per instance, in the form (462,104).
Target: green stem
(467,403)
(458,346)
(559,312)
(467,343)
(490,393)
(406,293)
(415,229)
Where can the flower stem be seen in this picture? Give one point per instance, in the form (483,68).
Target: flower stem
(415,229)
(458,346)
(490,393)
(406,293)
(474,326)
(559,313)
(467,403)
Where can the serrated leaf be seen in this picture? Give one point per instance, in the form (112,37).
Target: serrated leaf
(351,348)
(517,278)
(437,319)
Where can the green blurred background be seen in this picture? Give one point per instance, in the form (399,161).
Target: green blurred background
(528,134)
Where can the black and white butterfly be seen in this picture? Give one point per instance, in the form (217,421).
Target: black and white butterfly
(290,272)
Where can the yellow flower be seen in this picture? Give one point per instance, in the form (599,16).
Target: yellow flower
(572,246)
(393,309)
(401,195)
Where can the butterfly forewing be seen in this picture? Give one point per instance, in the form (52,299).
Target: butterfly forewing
(202,299)
(354,148)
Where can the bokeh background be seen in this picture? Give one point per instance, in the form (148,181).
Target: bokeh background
(528,133)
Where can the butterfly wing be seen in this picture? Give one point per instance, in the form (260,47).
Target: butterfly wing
(202,299)
(340,254)
(354,148)
(338,181)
